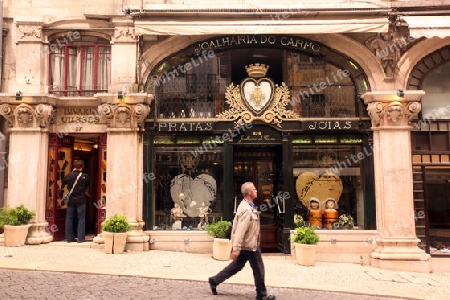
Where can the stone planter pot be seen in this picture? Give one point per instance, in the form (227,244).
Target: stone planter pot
(222,249)
(15,236)
(305,254)
(114,242)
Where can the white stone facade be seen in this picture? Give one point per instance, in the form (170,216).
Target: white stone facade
(139,42)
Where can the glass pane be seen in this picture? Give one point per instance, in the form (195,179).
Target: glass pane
(104,68)
(319,89)
(187,188)
(439,141)
(332,173)
(57,69)
(87,70)
(266,176)
(420,141)
(435,100)
(72,72)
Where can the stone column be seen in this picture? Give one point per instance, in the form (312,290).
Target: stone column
(29,121)
(391,124)
(30,57)
(124,166)
(123,57)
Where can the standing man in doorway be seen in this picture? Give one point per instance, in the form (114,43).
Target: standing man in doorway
(245,237)
(76,207)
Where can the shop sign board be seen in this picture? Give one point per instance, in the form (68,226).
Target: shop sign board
(330,125)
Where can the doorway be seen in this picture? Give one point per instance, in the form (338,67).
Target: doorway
(438,209)
(63,151)
(260,165)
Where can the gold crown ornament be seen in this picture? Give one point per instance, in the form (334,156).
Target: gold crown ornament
(257,70)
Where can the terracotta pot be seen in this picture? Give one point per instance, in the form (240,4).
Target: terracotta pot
(114,242)
(305,254)
(222,249)
(15,235)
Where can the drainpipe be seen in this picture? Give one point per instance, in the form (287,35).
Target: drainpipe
(3,165)
(2,136)
(1,45)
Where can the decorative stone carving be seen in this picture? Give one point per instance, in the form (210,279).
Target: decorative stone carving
(125,115)
(124,34)
(394,113)
(25,115)
(44,115)
(7,112)
(387,51)
(30,32)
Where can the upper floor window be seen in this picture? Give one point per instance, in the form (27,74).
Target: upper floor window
(437,90)
(80,68)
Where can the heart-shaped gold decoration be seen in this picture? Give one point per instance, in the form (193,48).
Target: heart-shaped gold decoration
(310,185)
(190,193)
(257,94)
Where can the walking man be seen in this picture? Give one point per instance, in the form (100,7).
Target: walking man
(245,237)
(78,182)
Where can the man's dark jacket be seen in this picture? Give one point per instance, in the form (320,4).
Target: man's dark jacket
(78,195)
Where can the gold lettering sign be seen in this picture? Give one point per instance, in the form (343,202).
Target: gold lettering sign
(295,43)
(80,115)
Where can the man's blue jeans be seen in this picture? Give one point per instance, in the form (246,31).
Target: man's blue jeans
(80,211)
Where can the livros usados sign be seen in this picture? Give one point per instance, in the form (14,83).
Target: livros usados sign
(80,115)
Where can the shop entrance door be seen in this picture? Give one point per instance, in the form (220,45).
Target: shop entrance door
(62,153)
(262,167)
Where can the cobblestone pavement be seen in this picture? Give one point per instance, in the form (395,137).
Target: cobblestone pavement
(17,284)
(77,271)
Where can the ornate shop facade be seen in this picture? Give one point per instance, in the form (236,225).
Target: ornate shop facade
(172,109)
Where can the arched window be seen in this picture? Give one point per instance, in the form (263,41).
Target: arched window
(79,67)
(437,88)
(432,74)
(193,86)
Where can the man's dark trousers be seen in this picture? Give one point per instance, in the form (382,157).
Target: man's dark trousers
(256,262)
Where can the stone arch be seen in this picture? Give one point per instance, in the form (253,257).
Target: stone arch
(410,60)
(338,42)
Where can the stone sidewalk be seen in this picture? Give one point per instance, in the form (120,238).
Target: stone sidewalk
(281,270)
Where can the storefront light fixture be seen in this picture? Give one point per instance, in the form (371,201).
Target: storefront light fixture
(18,95)
(120,95)
(401,93)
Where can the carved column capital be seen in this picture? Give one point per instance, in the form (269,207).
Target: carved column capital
(128,113)
(386,109)
(124,115)
(25,115)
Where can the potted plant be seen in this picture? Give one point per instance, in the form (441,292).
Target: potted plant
(222,244)
(14,222)
(114,232)
(346,221)
(305,241)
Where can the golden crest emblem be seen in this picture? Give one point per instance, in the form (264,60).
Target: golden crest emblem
(257,98)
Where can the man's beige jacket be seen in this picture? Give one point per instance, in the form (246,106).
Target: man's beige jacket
(246,228)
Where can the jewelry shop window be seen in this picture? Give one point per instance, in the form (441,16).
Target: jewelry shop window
(188,190)
(329,181)
(79,66)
